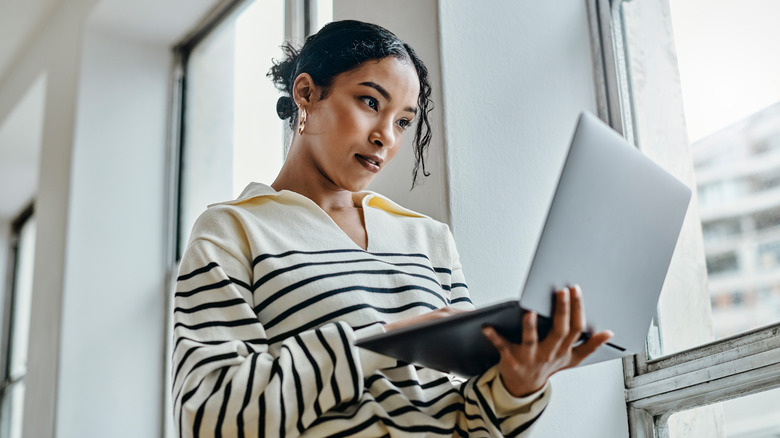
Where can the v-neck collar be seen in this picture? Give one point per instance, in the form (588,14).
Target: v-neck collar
(367,200)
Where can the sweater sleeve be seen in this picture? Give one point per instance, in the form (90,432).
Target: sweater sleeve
(225,381)
(488,405)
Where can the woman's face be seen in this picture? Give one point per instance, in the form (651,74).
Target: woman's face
(357,129)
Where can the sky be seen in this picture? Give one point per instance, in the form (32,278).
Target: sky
(729,58)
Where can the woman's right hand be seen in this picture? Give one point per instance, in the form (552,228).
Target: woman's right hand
(444,312)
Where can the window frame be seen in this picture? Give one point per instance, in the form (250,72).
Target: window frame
(300,20)
(721,370)
(7,382)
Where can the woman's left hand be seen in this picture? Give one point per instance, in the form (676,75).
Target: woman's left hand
(525,367)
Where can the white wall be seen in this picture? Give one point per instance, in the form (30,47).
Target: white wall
(55,52)
(110,375)
(515,76)
(415,22)
(96,360)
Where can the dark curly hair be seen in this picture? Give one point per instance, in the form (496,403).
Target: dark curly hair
(342,46)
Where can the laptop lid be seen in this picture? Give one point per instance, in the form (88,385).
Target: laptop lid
(611,228)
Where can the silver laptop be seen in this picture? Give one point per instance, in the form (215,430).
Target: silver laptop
(612,227)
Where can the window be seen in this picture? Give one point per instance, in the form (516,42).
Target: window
(226,131)
(693,85)
(230,133)
(16,324)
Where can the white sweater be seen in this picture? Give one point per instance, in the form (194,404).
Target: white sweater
(270,299)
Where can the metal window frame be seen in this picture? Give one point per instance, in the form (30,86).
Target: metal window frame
(729,368)
(9,297)
(298,23)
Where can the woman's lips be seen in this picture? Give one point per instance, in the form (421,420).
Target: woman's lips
(372,164)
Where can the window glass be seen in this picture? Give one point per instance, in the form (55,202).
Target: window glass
(231,134)
(730,113)
(753,416)
(13,397)
(23,276)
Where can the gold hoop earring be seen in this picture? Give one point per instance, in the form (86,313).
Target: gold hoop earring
(302,121)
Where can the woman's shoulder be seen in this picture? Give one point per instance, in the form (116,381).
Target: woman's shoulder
(403,216)
(225,219)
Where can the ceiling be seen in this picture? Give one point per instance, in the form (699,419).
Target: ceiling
(147,21)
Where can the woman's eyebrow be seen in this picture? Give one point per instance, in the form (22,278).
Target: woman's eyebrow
(385,94)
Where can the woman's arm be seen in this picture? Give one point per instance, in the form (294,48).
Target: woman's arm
(225,382)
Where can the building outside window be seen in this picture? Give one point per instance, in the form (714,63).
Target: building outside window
(698,92)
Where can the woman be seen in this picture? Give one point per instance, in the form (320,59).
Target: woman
(276,286)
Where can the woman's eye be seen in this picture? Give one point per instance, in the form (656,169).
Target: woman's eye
(404,123)
(371,102)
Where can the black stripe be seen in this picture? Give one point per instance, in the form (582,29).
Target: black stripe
(298,389)
(260,341)
(458,406)
(206,268)
(204,288)
(443,270)
(200,364)
(184,400)
(350,361)
(333,315)
(282,410)
(202,408)
(210,305)
(333,383)
(240,283)
(421,429)
(402,410)
(209,324)
(247,395)
(262,257)
(282,292)
(522,428)
(491,416)
(479,429)
(261,414)
(317,375)
(408,383)
(222,410)
(275,273)
(211,359)
(461,432)
(183,360)
(419,403)
(472,417)
(321,296)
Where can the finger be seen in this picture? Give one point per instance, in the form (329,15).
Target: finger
(577,315)
(579,353)
(498,341)
(530,334)
(561,320)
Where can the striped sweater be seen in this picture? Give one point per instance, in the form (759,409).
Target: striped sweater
(270,298)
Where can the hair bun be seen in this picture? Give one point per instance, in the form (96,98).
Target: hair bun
(285,107)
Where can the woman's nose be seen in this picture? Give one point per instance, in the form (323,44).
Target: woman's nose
(382,135)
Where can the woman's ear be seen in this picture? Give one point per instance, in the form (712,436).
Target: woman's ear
(303,90)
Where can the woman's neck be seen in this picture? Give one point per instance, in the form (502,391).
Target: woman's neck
(312,184)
